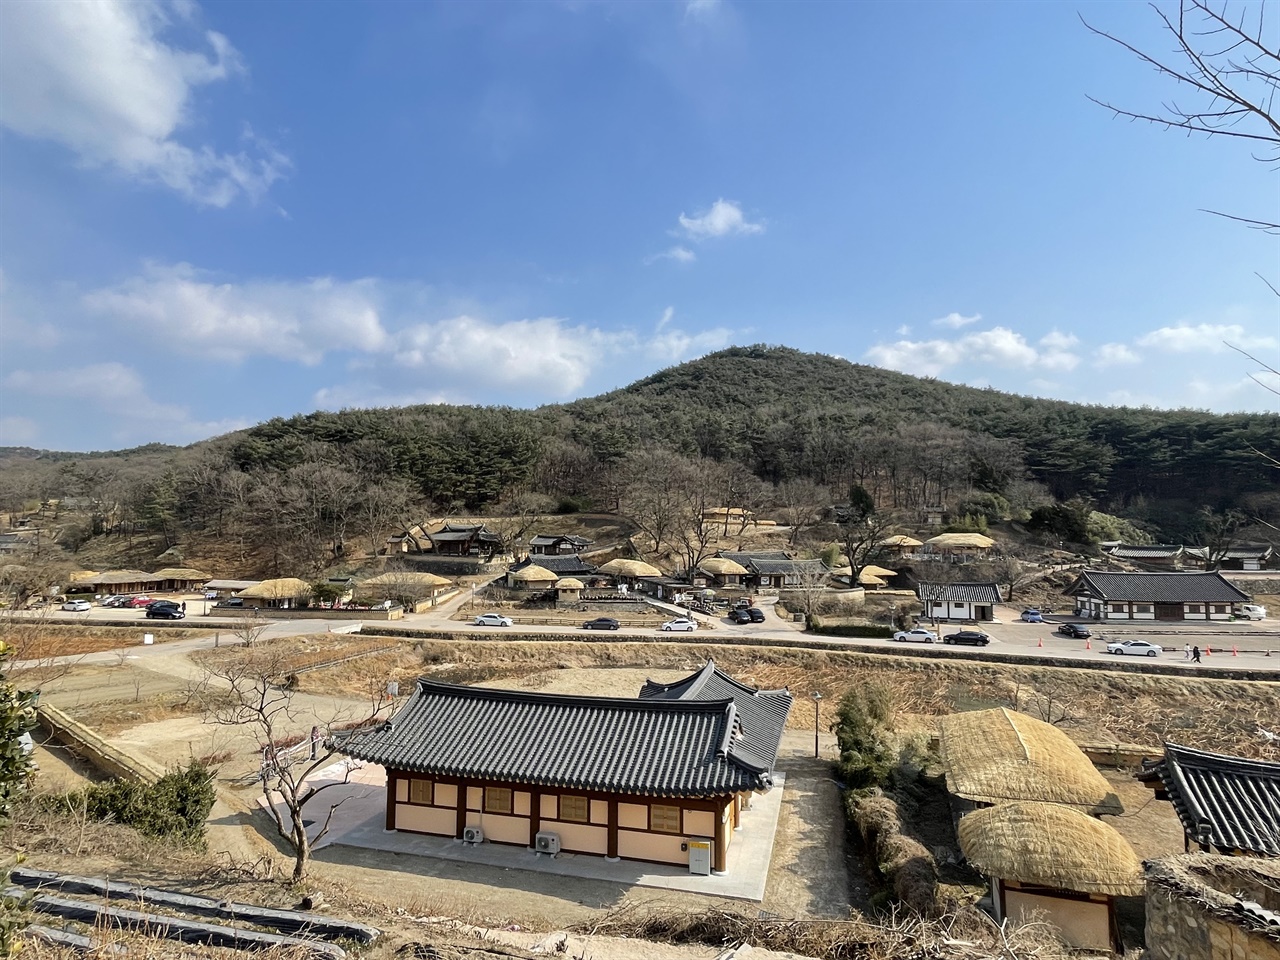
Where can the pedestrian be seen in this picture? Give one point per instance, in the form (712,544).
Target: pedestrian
(1195,654)
(1186,652)
(184,606)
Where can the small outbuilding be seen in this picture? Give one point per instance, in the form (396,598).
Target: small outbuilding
(959,601)
(180,580)
(284,593)
(530,577)
(222,589)
(412,589)
(1051,862)
(959,544)
(723,572)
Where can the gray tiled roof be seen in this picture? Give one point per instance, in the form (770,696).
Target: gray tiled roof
(770,562)
(1145,551)
(1242,552)
(546,540)
(959,592)
(1157,587)
(565,566)
(665,748)
(762,714)
(1229,802)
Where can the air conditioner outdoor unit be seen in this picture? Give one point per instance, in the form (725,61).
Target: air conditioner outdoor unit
(472,835)
(547,842)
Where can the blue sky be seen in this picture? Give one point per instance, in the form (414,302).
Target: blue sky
(211,214)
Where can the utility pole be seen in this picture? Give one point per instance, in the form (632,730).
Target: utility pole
(817,698)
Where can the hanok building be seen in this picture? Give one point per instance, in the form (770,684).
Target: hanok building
(222,589)
(959,601)
(1243,557)
(117,581)
(563,566)
(1227,804)
(651,778)
(541,545)
(284,593)
(1166,556)
(180,580)
(464,540)
(1155,596)
(774,570)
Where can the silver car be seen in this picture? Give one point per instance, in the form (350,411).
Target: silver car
(492,620)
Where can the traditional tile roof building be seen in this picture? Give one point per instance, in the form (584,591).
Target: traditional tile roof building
(959,601)
(1257,556)
(1155,596)
(1226,804)
(540,545)
(464,539)
(636,778)
(569,566)
(1166,555)
(773,569)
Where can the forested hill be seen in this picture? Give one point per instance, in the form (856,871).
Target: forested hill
(788,412)
(771,411)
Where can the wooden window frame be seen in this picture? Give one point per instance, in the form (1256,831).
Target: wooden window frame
(491,793)
(653,825)
(561,814)
(430,789)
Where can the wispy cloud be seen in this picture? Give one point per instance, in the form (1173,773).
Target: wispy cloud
(955,321)
(677,253)
(1114,355)
(1200,337)
(724,218)
(101,80)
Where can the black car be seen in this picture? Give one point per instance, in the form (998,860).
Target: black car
(756,615)
(1077,630)
(601,623)
(164,611)
(739,616)
(974,638)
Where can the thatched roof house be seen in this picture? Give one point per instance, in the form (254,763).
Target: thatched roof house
(959,543)
(403,585)
(1049,859)
(630,569)
(570,583)
(996,756)
(530,576)
(283,593)
(181,579)
(118,581)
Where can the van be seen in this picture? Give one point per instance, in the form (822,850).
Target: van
(1252,611)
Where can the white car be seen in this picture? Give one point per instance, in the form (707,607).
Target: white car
(77,606)
(680,625)
(1138,648)
(492,620)
(918,635)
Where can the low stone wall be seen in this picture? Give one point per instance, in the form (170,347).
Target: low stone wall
(1191,916)
(451,566)
(309,613)
(91,746)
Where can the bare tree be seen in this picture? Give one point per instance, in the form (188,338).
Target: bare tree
(382,506)
(251,691)
(249,629)
(862,527)
(802,503)
(1221,60)
(1012,573)
(515,516)
(808,587)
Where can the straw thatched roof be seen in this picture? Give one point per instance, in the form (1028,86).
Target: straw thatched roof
(1051,845)
(871,580)
(285,588)
(875,571)
(533,574)
(570,583)
(181,573)
(110,577)
(992,756)
(951,540)
(630,568)
(403,578)
(901,540)
(722,567)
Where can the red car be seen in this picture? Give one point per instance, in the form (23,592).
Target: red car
(139,602)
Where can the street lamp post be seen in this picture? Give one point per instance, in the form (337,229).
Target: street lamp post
(817,698)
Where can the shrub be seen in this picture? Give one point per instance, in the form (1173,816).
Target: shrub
(866,756)
(173,808)
(968,523)
(817,625)
(568,505)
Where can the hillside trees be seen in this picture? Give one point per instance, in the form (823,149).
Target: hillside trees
(862,527)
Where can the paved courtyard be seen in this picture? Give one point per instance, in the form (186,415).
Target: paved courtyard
(360,823)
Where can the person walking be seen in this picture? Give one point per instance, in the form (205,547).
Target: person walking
(1195,654)
(1186,652)
(184,606)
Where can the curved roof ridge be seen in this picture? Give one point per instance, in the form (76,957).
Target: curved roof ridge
(427,685)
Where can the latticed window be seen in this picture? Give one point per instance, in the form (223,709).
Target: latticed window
(419,791)
(574,809)
(664,819)
(497,800)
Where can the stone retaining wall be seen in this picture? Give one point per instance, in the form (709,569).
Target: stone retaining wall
(94,748)
(1190,916)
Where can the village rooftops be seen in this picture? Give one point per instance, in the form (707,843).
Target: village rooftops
(959,592)
(1229,803)
(771,562)
(568,565)
(1190,587)
(1256,551)
(546,540)
(654,747)
(463,532)
(1146,551)
(761,713)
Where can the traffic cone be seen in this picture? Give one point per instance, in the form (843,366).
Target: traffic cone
(1088,645)
(1040,642)
(1235,651)
(1208,651)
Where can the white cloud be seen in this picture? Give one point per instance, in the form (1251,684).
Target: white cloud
(955,320)
(903,331)
(97,78)
(1056,351)
(1114,355)
(723,219)
(290,320)
(667,314)
(677,253)
(929,358)
(1205,337)
(117,396)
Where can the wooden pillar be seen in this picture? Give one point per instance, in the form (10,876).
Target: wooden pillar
(721,854)
(391,799)
(611,832)
(535,813)
(460,823)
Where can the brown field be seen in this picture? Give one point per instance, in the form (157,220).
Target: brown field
(34,640)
